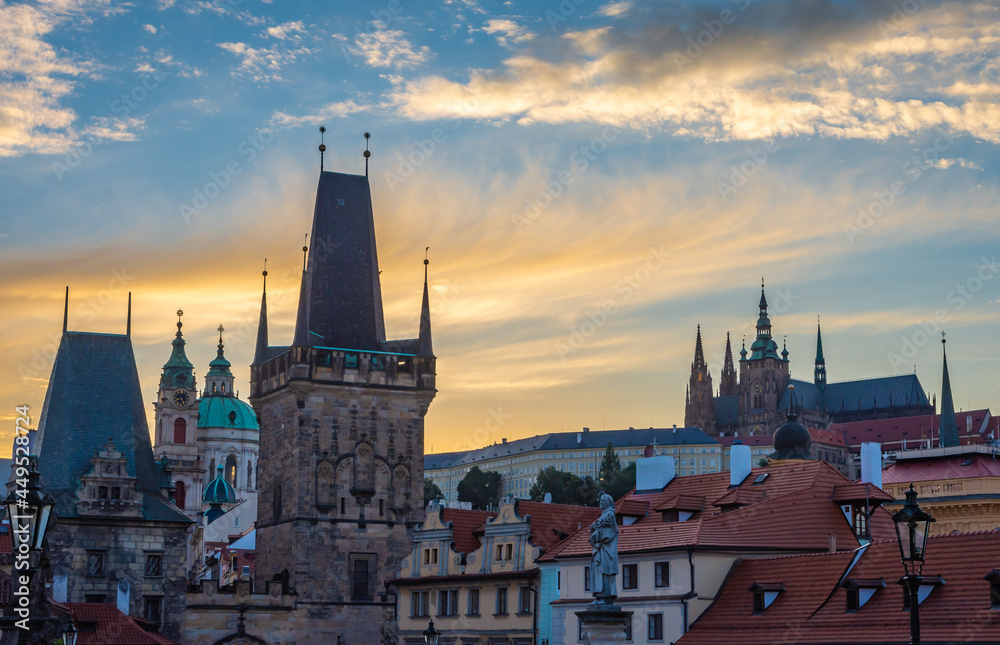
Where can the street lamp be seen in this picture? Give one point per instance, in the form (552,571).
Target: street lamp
(431,635)
(912,528)
(31,507)
(70,634)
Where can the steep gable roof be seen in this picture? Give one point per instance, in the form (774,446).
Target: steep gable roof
(466,525)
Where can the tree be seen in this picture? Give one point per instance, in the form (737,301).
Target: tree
(480,487)
(431,491)
(621,483)
(566,488)
(763,462)
(611,465)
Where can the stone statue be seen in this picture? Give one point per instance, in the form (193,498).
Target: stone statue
(604,561)
(389,633)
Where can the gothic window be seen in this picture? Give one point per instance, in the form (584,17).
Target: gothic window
(180,430)
(179,492)
(231,470)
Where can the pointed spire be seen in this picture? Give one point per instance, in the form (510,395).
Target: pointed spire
(219,379)
(699,353)
(948,431)
(728,385)
(743,352)
(784,348)
(425,347)
(819,373)
(178,370)
(261,351)
(763,300)
(128,318)
(66,311)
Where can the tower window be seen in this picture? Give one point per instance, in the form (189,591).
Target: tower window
(180,430)
(231,470)
(180,491)
(276,502)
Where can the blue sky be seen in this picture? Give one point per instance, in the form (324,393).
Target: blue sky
(594,180)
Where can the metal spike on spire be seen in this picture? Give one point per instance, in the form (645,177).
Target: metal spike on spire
(305,249)
(322,146)
(66,310)
(128,317)
(368,153)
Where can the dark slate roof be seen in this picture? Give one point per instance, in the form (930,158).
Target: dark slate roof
(342,306)
(727,410)
(93,396)
(863,394)
(597,440)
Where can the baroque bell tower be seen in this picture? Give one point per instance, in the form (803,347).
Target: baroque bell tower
(341,429)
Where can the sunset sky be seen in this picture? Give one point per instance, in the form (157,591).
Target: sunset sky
(593,181)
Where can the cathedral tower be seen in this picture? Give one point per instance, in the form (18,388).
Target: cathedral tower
(819,372)
(699,411)
(341,430)
(728,386)
(763,378)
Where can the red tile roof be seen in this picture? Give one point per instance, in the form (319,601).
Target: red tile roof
(464,523)
(633,507)
(831,437)
(551,523)
(891,432)
(798,495)
(756,440)
(921,470)
(858,492)
(812,609)
(103,624)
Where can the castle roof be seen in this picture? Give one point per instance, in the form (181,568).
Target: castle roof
(871,394)
(93,396)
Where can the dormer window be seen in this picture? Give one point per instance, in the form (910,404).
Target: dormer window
(764,593)
(993,577)
(761,478)
(927,585)
(860,590)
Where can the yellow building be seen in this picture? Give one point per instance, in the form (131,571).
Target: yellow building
(958,486)
(580,453)
(474,572)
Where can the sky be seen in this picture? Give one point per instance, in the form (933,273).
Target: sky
(594,180)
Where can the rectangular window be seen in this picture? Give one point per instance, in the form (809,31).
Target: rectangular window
(151,608)
(362,575)
(95,563)
(502,601)
(448,602)
(420,604)
(758,602)
(586,578)
(116,492)
(630,576)
(102,492)
(154,565)
(524,600)
(558,579)
(662,574)
(430,556)
(473,602)
(655,627)
(853,599)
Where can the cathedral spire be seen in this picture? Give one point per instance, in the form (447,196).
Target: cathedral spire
(819,373)
(699,352)
(728,384)
(425,347)
(699,411)
(261,350)
(219,380)
(948,432)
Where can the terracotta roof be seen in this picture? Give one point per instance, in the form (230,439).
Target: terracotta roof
(463,524)
(891,432)
(551,523)
(957,467)
(692,503)
(103,624)
(466,577)
(752,440)
(632,507)
(830,437)
(812,609)
(858,492)
(798,495)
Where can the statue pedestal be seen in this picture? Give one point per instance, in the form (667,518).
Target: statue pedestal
(603,626)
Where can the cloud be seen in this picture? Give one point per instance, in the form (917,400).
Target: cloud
(286,31)
(945,163)
(385,48)
(614,9)
(329,112)
(767,72)
(36,78)
(262,64)
(510,32)
(223,10)
(149,28)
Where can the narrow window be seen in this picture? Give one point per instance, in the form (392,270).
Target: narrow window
(154,565)
(662,574)
(151,609)
(524,600)
(231,470)
(853,598)
(995,594)
(655,627)
(180,494)
(758,602)
(473,602)
(360,579)
(180,430)
(276,503)
(630,576)
(342,502)
(586,578)
(502,601)
(95,563)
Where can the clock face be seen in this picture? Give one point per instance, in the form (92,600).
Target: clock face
(756,387)
(181,397)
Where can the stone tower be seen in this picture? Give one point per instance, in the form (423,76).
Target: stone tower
(341,415)
(728,385)
(699,411)
(763,378)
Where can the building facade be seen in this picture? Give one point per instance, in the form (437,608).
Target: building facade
(758,401)
(580,453)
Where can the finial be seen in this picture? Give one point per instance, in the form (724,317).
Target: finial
(761,283)
(943,341)
(264,273)
(128,317)
(322,146)
(368,135)
(180,312)
(221,329)
(66,310)
(791,395)
(426,261)
(305,248)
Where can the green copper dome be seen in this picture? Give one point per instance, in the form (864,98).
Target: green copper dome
(219,491)
(226,412)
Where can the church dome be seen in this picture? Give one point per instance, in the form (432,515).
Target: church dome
(226,412)
(792,440)
(219,491)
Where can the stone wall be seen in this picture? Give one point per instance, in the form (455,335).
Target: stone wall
(125,545)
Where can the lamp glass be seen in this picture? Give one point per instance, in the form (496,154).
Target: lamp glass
(70,634)
(430,634)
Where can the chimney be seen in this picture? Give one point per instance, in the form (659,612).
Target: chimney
(504,440)
(739,463)
(833,543)
(586,429)
(871,463)
(653,473)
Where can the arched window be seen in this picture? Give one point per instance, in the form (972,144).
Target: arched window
(179,493)
(180,430)
(231,470)
(211,470)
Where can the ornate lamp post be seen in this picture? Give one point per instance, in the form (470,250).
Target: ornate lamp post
(912,528)
(431,635)
(30,511)
(70,634)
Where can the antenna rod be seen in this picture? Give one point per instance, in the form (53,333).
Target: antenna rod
(66,310)
(304,249)
(128,320)
(322,146)
(368,154)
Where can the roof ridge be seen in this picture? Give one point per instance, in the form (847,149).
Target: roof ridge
(868,378)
